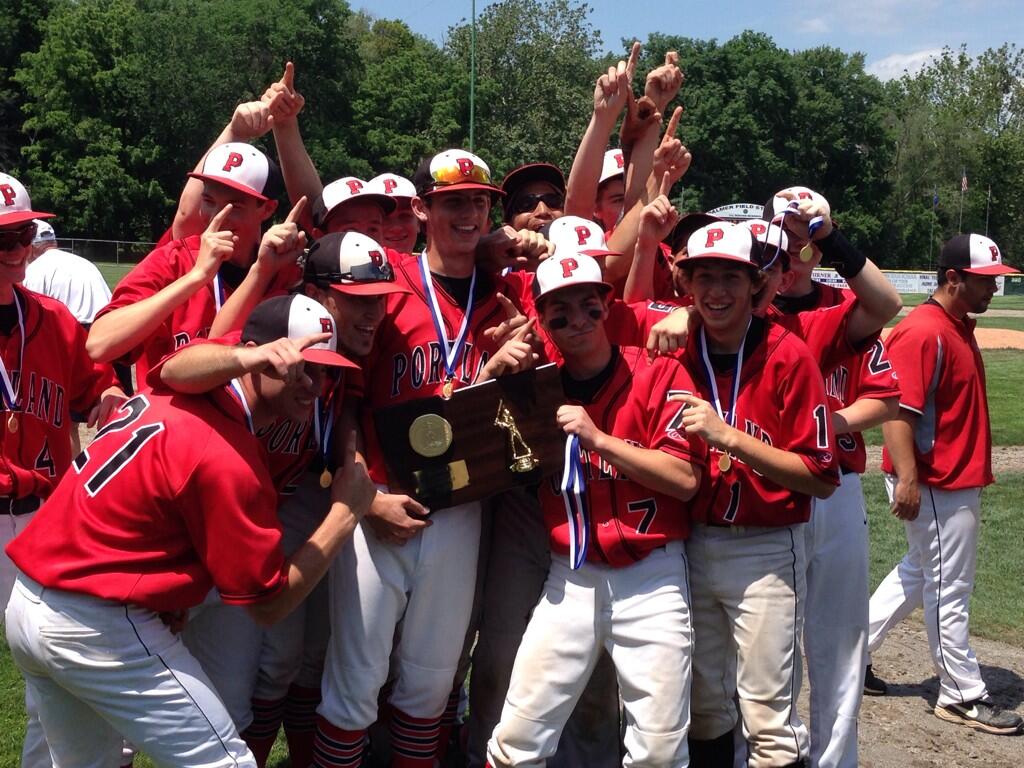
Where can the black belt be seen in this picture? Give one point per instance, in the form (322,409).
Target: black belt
(26,505)
(847,470)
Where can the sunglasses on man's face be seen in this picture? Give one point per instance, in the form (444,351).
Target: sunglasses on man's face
(14,238)
(526,203)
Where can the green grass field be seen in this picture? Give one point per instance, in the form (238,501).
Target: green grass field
(1015,301)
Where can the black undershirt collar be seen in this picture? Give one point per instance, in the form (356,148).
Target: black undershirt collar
(584,391)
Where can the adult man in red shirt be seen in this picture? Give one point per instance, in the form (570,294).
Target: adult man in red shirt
(171,498)
(937,458)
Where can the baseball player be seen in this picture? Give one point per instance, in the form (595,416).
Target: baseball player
(73,281)
(618,573)
(46,376)
(937,458)
(400,229)
(862,393)
(763,411)
(279,668)
(88,619)
(431,342)
(172,296)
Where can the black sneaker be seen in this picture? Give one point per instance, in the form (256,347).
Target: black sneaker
(872,685)
(982,715)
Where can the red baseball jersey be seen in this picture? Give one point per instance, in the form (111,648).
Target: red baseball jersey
(54,377)
(627,520)
(868,374)
(942,380)
(190,320)
(781,402)
(406,360)
(172,498)
(823,330)
(291,446)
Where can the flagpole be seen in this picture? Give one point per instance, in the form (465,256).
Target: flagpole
(988,204)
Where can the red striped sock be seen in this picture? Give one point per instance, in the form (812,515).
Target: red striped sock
(337,748)
(413,740)
(262,732)
(449,719)
(300,724)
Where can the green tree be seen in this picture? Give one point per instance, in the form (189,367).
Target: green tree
(19,34)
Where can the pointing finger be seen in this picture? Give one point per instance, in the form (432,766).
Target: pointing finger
(511,310)
(666,185)
(296,212)
(217,221)
(313,338)
(634,56)
(673,124)
(288,78)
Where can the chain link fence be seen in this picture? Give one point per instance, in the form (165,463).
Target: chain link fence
(125,252)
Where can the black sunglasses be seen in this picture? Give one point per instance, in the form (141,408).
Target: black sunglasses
(13,238)
(369,272)
(525,203)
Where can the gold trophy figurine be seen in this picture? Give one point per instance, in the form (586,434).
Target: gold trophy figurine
(523,459)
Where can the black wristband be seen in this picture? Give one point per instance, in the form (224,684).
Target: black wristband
(840,254)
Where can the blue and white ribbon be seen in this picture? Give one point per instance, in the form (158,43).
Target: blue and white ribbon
(236,389)
(218,293)
(573,489)
(323,425)
(728,416)
(452,351)
(9,391)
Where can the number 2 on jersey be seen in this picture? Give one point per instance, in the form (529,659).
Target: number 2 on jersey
(132,410)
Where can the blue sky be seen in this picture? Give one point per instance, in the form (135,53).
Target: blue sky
(893,34)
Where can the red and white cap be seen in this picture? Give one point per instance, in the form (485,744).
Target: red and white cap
(351,263)
(725,241)
(294,317)
(565,270)
(15,204)
(614,165)
(777,203)
(572,234)
(767,234)
(454,170)
(392,185)
(975,254)
(240,166)
(345,190)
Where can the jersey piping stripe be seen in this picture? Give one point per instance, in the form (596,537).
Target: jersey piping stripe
(912,410)
(793,655)
(187,692)
(938,595)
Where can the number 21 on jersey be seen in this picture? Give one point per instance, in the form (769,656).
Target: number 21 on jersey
(131,443)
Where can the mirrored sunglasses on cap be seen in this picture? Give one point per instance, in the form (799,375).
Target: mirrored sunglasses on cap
(454,173)
(22,236)
(368,272)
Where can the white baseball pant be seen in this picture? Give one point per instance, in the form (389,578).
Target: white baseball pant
(748,588)
(836,621)
(640,614)
(516,568)
(937,573)
(98,669)
(430,581)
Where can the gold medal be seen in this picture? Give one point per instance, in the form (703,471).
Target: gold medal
(430,435)
(447,389)
(12,422)
(806,253)
(724,463)
(325,478)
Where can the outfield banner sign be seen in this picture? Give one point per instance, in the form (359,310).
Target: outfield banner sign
(902,281)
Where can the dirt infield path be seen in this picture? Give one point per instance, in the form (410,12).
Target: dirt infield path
(991,338)
(900,730)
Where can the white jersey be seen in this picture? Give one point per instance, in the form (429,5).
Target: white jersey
(72,280)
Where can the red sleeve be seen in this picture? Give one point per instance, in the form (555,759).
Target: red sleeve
(88,379)
(153,375)
(915,354)
(664,416)
(876,377)
(808,418)
(226,499)
(824,332)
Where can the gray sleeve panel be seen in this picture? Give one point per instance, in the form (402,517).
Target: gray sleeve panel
(924,435)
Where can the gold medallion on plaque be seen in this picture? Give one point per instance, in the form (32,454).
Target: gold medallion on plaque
(430,435)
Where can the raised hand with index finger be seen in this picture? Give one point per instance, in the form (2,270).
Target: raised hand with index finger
(216,246)
(284,242)
(672,157)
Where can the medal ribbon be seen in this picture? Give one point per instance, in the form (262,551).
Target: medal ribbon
(236,390)
(323,424)
(452,352)
(728,416)
(9,392)
(573,489)
(218,293)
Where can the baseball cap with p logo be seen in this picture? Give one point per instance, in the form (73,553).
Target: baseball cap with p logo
(573,234)
(454,170)
(351,263)
(392,185)
(345,190)
(725,241)
(295,317)
(567,269)
(15,204)
(242,167)
(614,164)
(975,254)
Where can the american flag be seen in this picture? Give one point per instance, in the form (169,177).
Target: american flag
(963,181)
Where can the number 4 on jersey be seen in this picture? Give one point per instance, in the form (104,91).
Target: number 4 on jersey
(132,410)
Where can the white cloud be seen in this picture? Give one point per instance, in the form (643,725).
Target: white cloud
(815,26)
(895,65)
